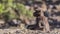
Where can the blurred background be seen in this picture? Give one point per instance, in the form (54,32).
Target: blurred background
(19,13)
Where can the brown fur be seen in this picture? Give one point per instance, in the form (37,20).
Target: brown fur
(44,21)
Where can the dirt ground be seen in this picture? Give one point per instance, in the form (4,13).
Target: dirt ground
(25,31)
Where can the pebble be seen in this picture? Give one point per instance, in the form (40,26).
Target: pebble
(26,31)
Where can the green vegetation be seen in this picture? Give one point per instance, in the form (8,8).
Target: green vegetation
(24,11)
(8,9)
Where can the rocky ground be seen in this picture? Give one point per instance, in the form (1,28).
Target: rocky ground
(23,30)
